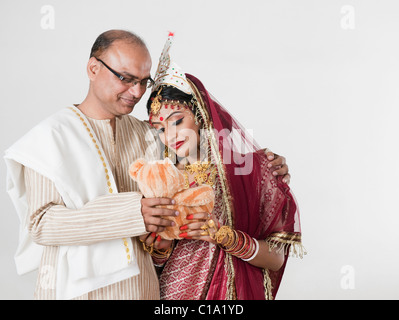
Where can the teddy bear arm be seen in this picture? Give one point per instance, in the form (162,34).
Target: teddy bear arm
(197,196)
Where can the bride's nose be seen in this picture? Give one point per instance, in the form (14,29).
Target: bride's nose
(170,135)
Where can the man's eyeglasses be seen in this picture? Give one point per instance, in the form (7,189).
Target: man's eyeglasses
(148,83)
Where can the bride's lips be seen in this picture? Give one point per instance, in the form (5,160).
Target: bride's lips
(177,145)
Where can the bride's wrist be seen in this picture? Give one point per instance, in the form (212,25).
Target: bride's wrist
(237,243)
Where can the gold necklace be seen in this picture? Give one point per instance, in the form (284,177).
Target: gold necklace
(199,170)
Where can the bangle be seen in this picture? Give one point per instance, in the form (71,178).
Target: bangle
(156,253)
(232,245)
(159,257)
(161,254)
(255,253)
(244,246)
(222,233)
(149,249)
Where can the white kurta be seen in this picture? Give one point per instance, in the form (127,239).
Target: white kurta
(104,218)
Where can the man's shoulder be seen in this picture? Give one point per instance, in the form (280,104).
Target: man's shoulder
(51,127)
(51,133)
(51,122)
(59,117)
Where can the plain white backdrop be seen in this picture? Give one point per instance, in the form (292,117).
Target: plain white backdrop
(317,81)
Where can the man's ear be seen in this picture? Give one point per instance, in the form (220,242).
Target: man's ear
(93,67)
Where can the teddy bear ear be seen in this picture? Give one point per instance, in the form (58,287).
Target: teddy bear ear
(135,167)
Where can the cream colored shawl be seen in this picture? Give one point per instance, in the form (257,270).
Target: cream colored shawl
(63,148)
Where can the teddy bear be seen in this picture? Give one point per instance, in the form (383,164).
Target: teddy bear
(161,178)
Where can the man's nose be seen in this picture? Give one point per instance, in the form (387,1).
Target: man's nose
(137,90)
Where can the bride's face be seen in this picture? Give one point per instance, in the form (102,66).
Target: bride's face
(177,130)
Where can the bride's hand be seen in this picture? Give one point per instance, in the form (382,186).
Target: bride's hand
(202,227)
(152,239)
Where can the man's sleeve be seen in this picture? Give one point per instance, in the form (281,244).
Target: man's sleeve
(107,217)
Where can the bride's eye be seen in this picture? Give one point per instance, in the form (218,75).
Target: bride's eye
(178,122)
(160,131)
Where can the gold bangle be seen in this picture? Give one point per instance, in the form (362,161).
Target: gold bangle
(222,233)
(230,239)
(149,249)
(162,253)
(232,244)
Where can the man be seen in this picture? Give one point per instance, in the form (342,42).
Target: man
(68,178)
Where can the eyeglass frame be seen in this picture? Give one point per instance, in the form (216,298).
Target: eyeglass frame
(131,82)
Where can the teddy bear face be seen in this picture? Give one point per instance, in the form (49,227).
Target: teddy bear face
(162,179)
(157,179)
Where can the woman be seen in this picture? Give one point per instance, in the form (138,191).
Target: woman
(240,250)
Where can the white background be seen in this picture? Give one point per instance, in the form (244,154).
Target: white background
(317,81)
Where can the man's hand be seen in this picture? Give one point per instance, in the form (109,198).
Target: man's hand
(153,217)
(278,165)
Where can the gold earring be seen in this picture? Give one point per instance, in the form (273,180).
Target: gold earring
(166,152)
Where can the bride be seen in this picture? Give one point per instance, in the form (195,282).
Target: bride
(238,251)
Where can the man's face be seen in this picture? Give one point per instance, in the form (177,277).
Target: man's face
(115,97)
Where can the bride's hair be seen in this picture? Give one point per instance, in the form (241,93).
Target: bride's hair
(171,94)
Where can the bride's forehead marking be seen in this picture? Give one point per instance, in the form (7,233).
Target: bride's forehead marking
(167,111)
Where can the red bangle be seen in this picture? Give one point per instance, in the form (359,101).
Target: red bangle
(244,247)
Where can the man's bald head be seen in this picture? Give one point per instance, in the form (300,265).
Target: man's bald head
(107,38)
